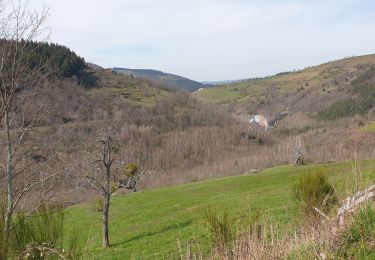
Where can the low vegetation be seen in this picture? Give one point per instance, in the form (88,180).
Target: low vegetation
(327,241)
(167,220)
(222,229)
(357,241)
(39,235)
(363,90)
(315,194)
(369,128)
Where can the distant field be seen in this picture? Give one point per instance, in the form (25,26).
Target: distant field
(135,91)
(216,95)
(148,225)
(369,128)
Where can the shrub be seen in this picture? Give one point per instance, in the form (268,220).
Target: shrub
(45,227)
(37,236)
(358,241)
(339,109)
(131,169)
(99,204)
(222,230)
(313,190)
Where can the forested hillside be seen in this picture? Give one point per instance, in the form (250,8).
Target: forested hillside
(58,61)
(160,77)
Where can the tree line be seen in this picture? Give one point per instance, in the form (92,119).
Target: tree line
(53,59)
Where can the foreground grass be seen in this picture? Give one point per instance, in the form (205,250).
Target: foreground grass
(149,225)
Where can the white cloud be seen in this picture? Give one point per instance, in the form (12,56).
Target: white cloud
(213,39)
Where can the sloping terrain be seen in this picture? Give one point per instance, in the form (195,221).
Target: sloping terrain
(153,224)
(184,140)
(138,91)
(160,77)
(324,83)
(328,104)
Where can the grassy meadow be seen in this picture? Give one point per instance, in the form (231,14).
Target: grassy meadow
(152,225)
(369,128)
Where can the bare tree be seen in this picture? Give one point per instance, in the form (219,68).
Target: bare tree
(104,176)
(19,27)
(298,152)
(22,166)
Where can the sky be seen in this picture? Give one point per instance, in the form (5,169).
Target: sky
(212,40)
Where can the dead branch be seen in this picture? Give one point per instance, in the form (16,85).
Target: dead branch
(351,203)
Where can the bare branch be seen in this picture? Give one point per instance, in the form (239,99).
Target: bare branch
(31,186)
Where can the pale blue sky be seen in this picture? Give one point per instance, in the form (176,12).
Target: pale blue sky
(213,39)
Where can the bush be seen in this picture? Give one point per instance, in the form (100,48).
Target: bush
(37,236)
(222,229)
(45,227)
(99,204)
(358,241)
(131,169)
(339,109)
(313,190)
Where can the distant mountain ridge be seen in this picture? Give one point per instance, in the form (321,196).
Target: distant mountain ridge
(221,82)
(168,79)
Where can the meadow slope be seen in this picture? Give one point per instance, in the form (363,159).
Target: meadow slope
(150,225)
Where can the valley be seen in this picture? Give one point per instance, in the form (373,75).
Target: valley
(100,160)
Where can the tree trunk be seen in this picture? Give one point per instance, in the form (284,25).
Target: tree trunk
(9,177)
(105,220)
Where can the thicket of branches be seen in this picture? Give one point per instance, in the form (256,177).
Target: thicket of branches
(27,177)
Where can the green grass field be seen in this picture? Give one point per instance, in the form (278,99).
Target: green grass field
(215,95)
(148,225)
(369,128)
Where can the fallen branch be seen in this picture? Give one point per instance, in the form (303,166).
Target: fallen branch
(351,203)
(320,213)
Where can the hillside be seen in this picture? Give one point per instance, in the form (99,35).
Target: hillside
(150,225)
(137,91)
(183,140)
(322,85)
(160,77)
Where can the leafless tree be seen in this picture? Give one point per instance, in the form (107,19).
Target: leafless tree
(298,152)
(104,176)
(22,166)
